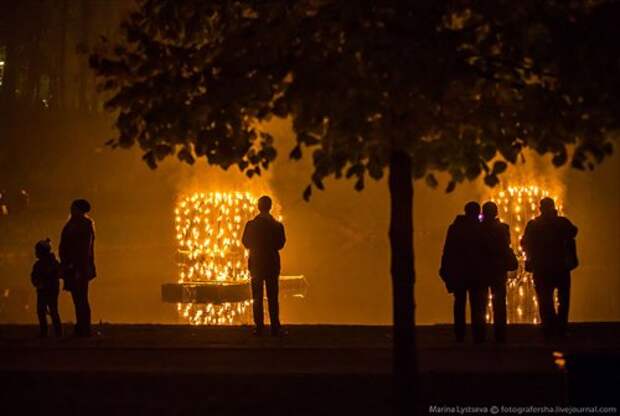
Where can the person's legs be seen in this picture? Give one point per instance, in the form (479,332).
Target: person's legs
(85,310)
(544,292)
(477,304)
(459,314)
(42,313)
(563,286)
(53,308)
(274,307)
(498,289)
(79,295)
(257,302)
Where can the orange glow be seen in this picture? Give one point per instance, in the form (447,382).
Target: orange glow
(209,227)
(517,206)
(208,231)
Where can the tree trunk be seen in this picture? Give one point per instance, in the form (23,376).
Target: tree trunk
(403,278)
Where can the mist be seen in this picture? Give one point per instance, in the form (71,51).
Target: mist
(338,240)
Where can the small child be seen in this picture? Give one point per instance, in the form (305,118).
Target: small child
(45,275)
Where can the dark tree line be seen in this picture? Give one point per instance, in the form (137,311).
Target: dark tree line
(50,111)
(44,45)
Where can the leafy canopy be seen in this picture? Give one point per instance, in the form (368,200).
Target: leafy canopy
(462,88)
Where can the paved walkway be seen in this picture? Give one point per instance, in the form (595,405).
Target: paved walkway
(340,370)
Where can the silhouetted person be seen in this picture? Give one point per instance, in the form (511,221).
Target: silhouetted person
(45,278)
(549,244)
(264,237)
(497,259)
(460,270)
(77,257)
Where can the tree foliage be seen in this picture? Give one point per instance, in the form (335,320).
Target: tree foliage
(462,87)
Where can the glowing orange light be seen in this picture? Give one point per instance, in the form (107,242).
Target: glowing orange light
(518,205)
(208,232)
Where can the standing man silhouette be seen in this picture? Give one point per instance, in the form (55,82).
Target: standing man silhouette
(549,243)
(498,258)
(77,259)
(264,237)
(461,271)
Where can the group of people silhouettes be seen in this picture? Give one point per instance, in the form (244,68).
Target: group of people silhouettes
(76,268)
(477,257)
(263,236)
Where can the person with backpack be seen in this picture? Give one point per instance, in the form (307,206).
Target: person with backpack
(550,247)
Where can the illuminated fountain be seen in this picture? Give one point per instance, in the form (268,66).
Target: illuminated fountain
(213,286)
(518,205)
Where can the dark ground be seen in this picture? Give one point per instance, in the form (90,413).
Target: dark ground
(155,369)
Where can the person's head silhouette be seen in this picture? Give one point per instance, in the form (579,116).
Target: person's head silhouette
(472,209)
(264,204)
(547,206)
(43,248)
(80,207)
(489,211)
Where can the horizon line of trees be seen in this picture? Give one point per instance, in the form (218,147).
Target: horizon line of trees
(44,45)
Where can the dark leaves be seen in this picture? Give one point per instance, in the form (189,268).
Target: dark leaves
(355,170)
(499,167)
(150,159)
(307,193)
(280,107)
(359,184)
(296,153)
(560,158)
(491,180)
(186,78)
(431,181)
(317,180)
(185,155)
(451,186)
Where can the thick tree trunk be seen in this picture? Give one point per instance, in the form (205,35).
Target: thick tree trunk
(403,279)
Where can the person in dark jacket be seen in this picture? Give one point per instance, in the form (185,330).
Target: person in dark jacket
(44,277)
(497,254)
(460,270)
(264,237)
(77,257)
(549,244)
